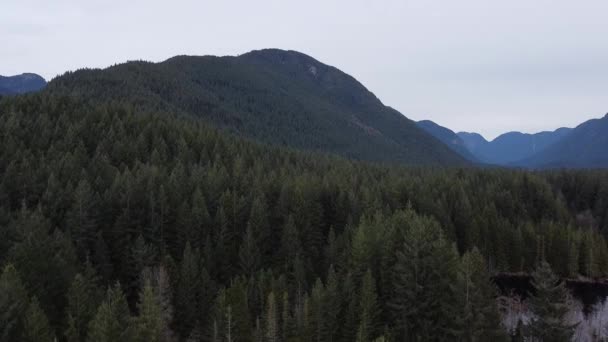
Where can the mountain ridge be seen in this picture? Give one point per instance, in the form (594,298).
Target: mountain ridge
(274,96)
(21,84)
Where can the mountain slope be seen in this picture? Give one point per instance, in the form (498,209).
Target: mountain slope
(511,147)
(448,137)
(586,146)
(274,96)
(20,84)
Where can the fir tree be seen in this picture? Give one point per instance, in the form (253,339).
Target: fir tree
(368,308)
(148,325)
(84,297)
(111,322)
(13,304)
(272,320)
(186,292)
(36,324)
(423,301)
(478,314)
(550,304)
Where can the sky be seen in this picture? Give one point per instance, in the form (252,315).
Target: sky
(470,65)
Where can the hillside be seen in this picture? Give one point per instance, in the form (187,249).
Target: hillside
(148,217)
(448,137)
(273,96)
(512,146)
(586,146)
(20,84)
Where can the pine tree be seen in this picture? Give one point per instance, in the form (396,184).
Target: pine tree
(260,228)
(350,309)
(317,311)
(82,218)
(84,297)
(186,292)
(271,318)
(36,324)
(238,304)
(287,322)
(550,304)
(478,314)
(148,325)
(13,304)
(369,309)
(423,299)
(111,322)
(332,307)
(249,253)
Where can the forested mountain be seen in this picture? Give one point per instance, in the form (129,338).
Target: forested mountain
(119,224)
(273,96)
(448,137)
(586,146)
(20,84)
(511,147)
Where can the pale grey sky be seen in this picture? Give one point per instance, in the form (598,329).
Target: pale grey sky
(478,65)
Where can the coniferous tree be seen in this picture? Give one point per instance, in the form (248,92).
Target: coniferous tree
(84,297)
(317,311)
(332,307)
(550,304)
(272,320)
(423,301)
(36,326)
(148,325)
(186,292)
(112,320)
(249,253)
(368,309)
(478,314)
(13,305)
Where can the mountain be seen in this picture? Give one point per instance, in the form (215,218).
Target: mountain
(448,137)
(21,84)
(273,96)
(474,142)
(511,147)
(586,146)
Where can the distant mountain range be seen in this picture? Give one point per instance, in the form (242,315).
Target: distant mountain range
(273,96)
(510,147)
(585,146)
(20,84)
(448,137)
(288,98)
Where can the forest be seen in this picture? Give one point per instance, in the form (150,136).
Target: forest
(123,224)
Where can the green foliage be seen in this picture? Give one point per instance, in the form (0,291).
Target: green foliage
(36,325)
(94,193)
(112,320)
(267,95)
(84,297)
(369,309)
(478,314)
(550,304)
(148,326)
(186,292)
(424,301)
(13,305)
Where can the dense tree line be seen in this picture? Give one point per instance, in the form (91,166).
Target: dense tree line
(117,225)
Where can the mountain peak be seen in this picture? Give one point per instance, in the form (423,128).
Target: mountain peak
(20,84)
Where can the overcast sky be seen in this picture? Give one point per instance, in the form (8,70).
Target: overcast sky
(474,65)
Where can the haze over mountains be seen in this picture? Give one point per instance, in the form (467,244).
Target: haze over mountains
(510,147)
(585,146)
(291,99)
(20,84)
